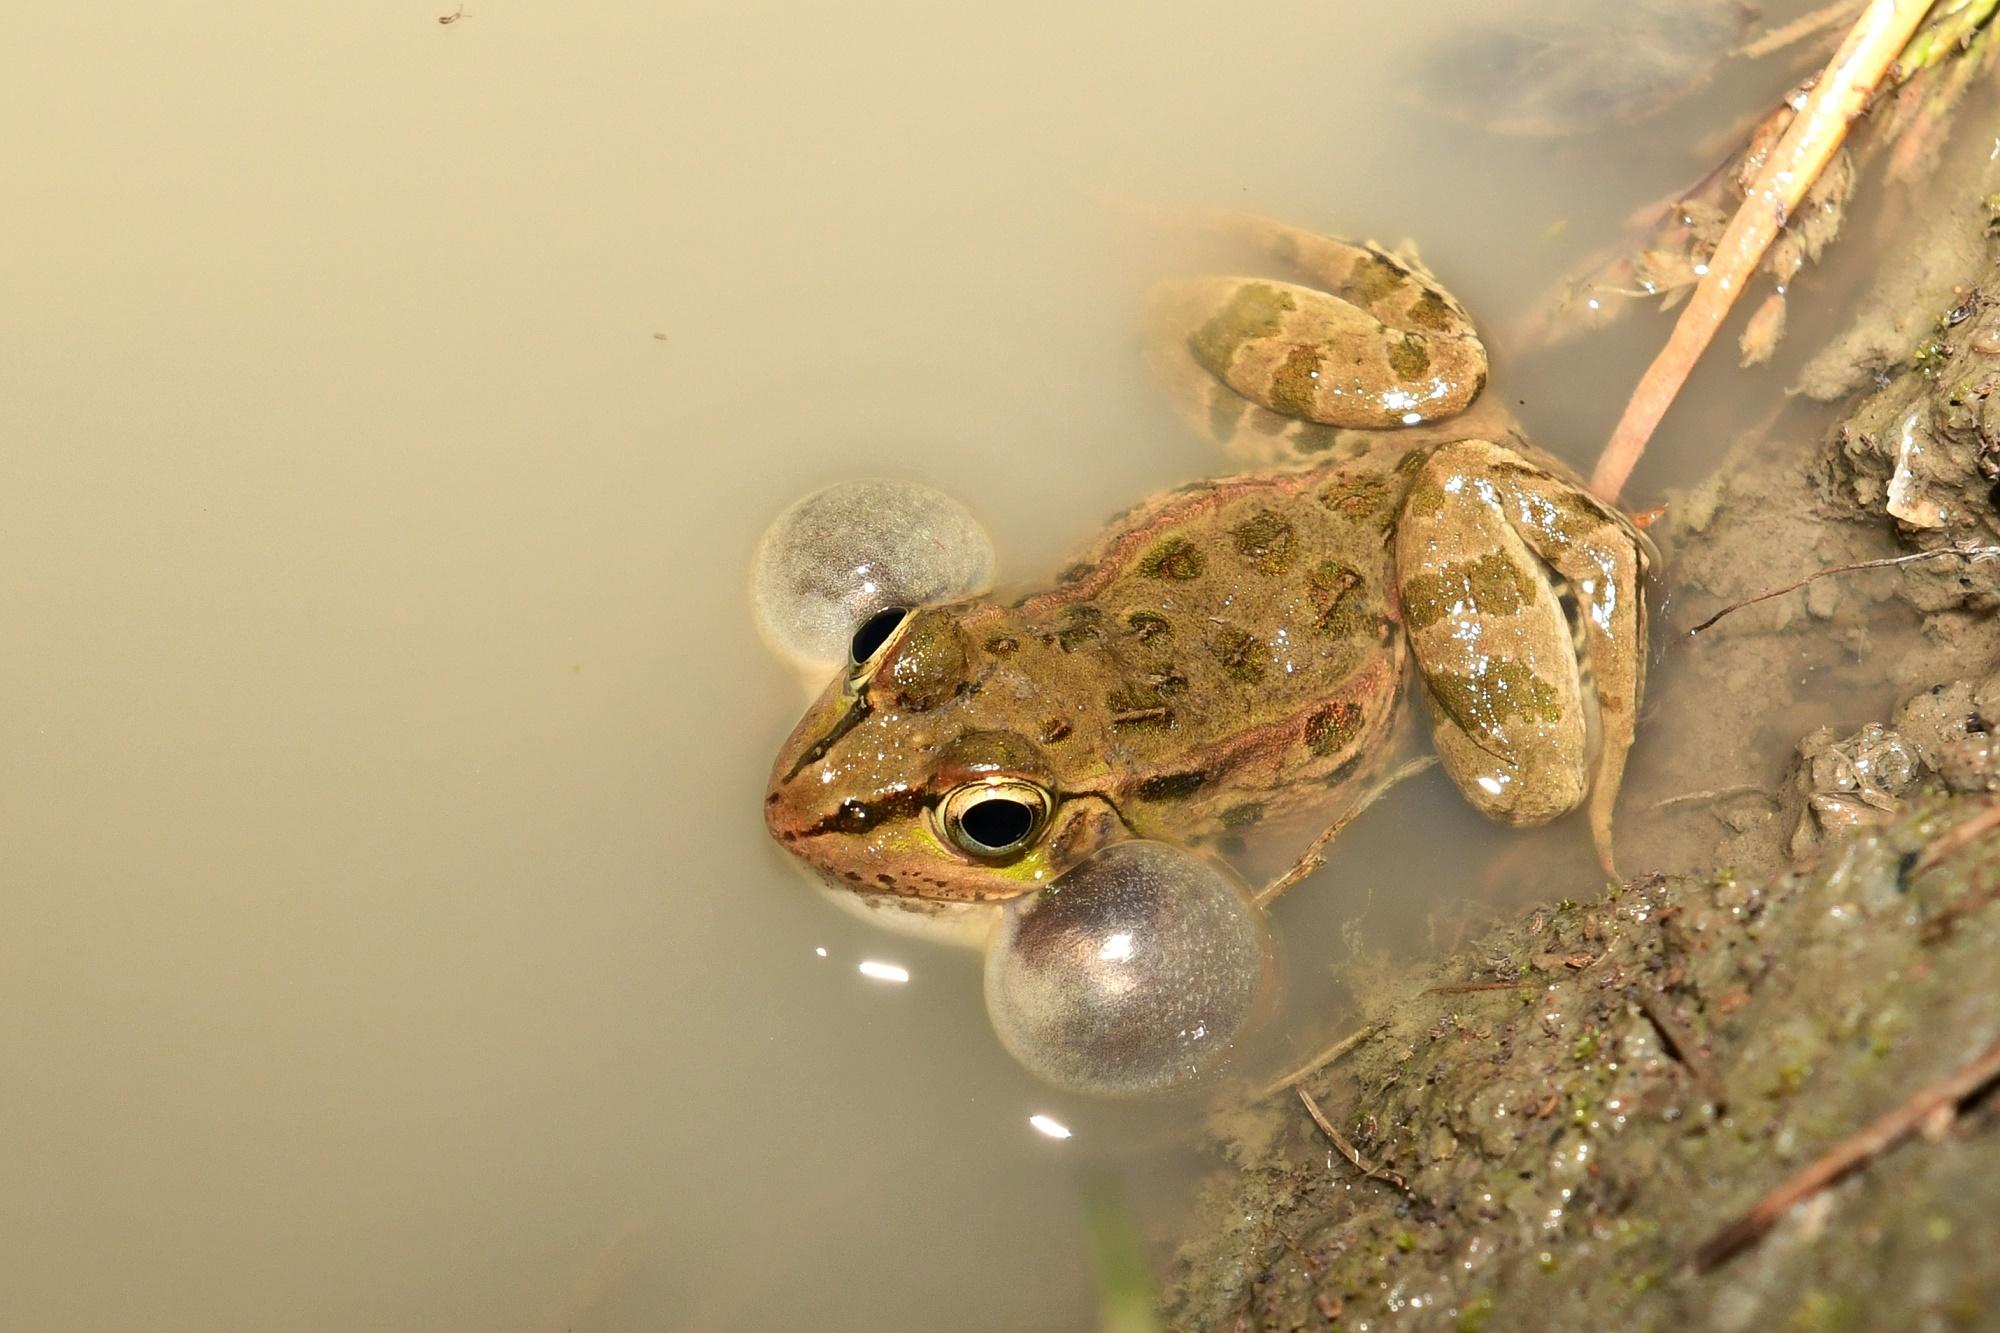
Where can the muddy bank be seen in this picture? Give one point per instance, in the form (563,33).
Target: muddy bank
(1556,1121)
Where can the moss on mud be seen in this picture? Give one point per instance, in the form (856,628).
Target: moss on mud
(1632,1074)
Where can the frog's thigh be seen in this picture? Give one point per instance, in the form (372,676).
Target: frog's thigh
(1491,643)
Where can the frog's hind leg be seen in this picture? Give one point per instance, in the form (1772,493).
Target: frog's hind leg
(1278,370)
(1394,286)
(1251,435)
(1480,531)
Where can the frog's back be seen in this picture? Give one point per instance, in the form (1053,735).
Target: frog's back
(1230,649)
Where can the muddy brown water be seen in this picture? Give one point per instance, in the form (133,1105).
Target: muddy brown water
(388,410)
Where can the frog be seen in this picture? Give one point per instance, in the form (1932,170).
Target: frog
(1244,648)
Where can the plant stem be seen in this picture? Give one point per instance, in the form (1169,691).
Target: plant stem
(1839,96)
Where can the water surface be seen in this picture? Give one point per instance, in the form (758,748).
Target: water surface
(388,410)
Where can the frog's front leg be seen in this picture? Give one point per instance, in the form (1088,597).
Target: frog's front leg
(1480,530)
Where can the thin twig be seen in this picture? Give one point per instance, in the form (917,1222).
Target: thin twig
(1840,95)
(1310,859)
(1851,1153)
(1962,550)
(1347,1149)
(1322,1060)
(1470,987)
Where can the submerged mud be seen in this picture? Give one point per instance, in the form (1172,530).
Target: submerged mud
(1547,1129)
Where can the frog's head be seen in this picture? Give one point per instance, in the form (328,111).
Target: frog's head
(902,780)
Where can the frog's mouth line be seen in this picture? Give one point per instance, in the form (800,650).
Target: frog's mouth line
(857,713)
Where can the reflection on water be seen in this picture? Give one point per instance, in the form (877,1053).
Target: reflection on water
(393,941)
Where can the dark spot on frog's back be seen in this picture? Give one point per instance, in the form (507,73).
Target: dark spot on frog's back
(1078,628)
(1001,644)
(1266,541)
(1146,626)
(1138,706)
(1053,730)
(1240,652)
(1336,593)
(1175,558)
(1359,498)
(1172,786)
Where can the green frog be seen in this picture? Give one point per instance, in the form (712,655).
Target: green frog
(1237,650)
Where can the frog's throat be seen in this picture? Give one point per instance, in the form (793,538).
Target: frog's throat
(965,924)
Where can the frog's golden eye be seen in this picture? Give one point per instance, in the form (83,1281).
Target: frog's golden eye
(874,634)
(994,818)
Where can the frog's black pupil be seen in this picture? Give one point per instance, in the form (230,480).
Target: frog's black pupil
(875,632)
(997,822)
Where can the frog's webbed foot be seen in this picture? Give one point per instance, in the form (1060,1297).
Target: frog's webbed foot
(1274,369)
(1481,530)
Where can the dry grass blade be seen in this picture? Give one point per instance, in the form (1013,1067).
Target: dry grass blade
(1347,1150)
(1815,135)
(1321,1060)
(1964,552)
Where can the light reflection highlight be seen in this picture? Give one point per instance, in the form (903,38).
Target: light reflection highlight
(884,971)
(1049,1125)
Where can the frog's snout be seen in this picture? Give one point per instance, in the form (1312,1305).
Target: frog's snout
(795,800)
